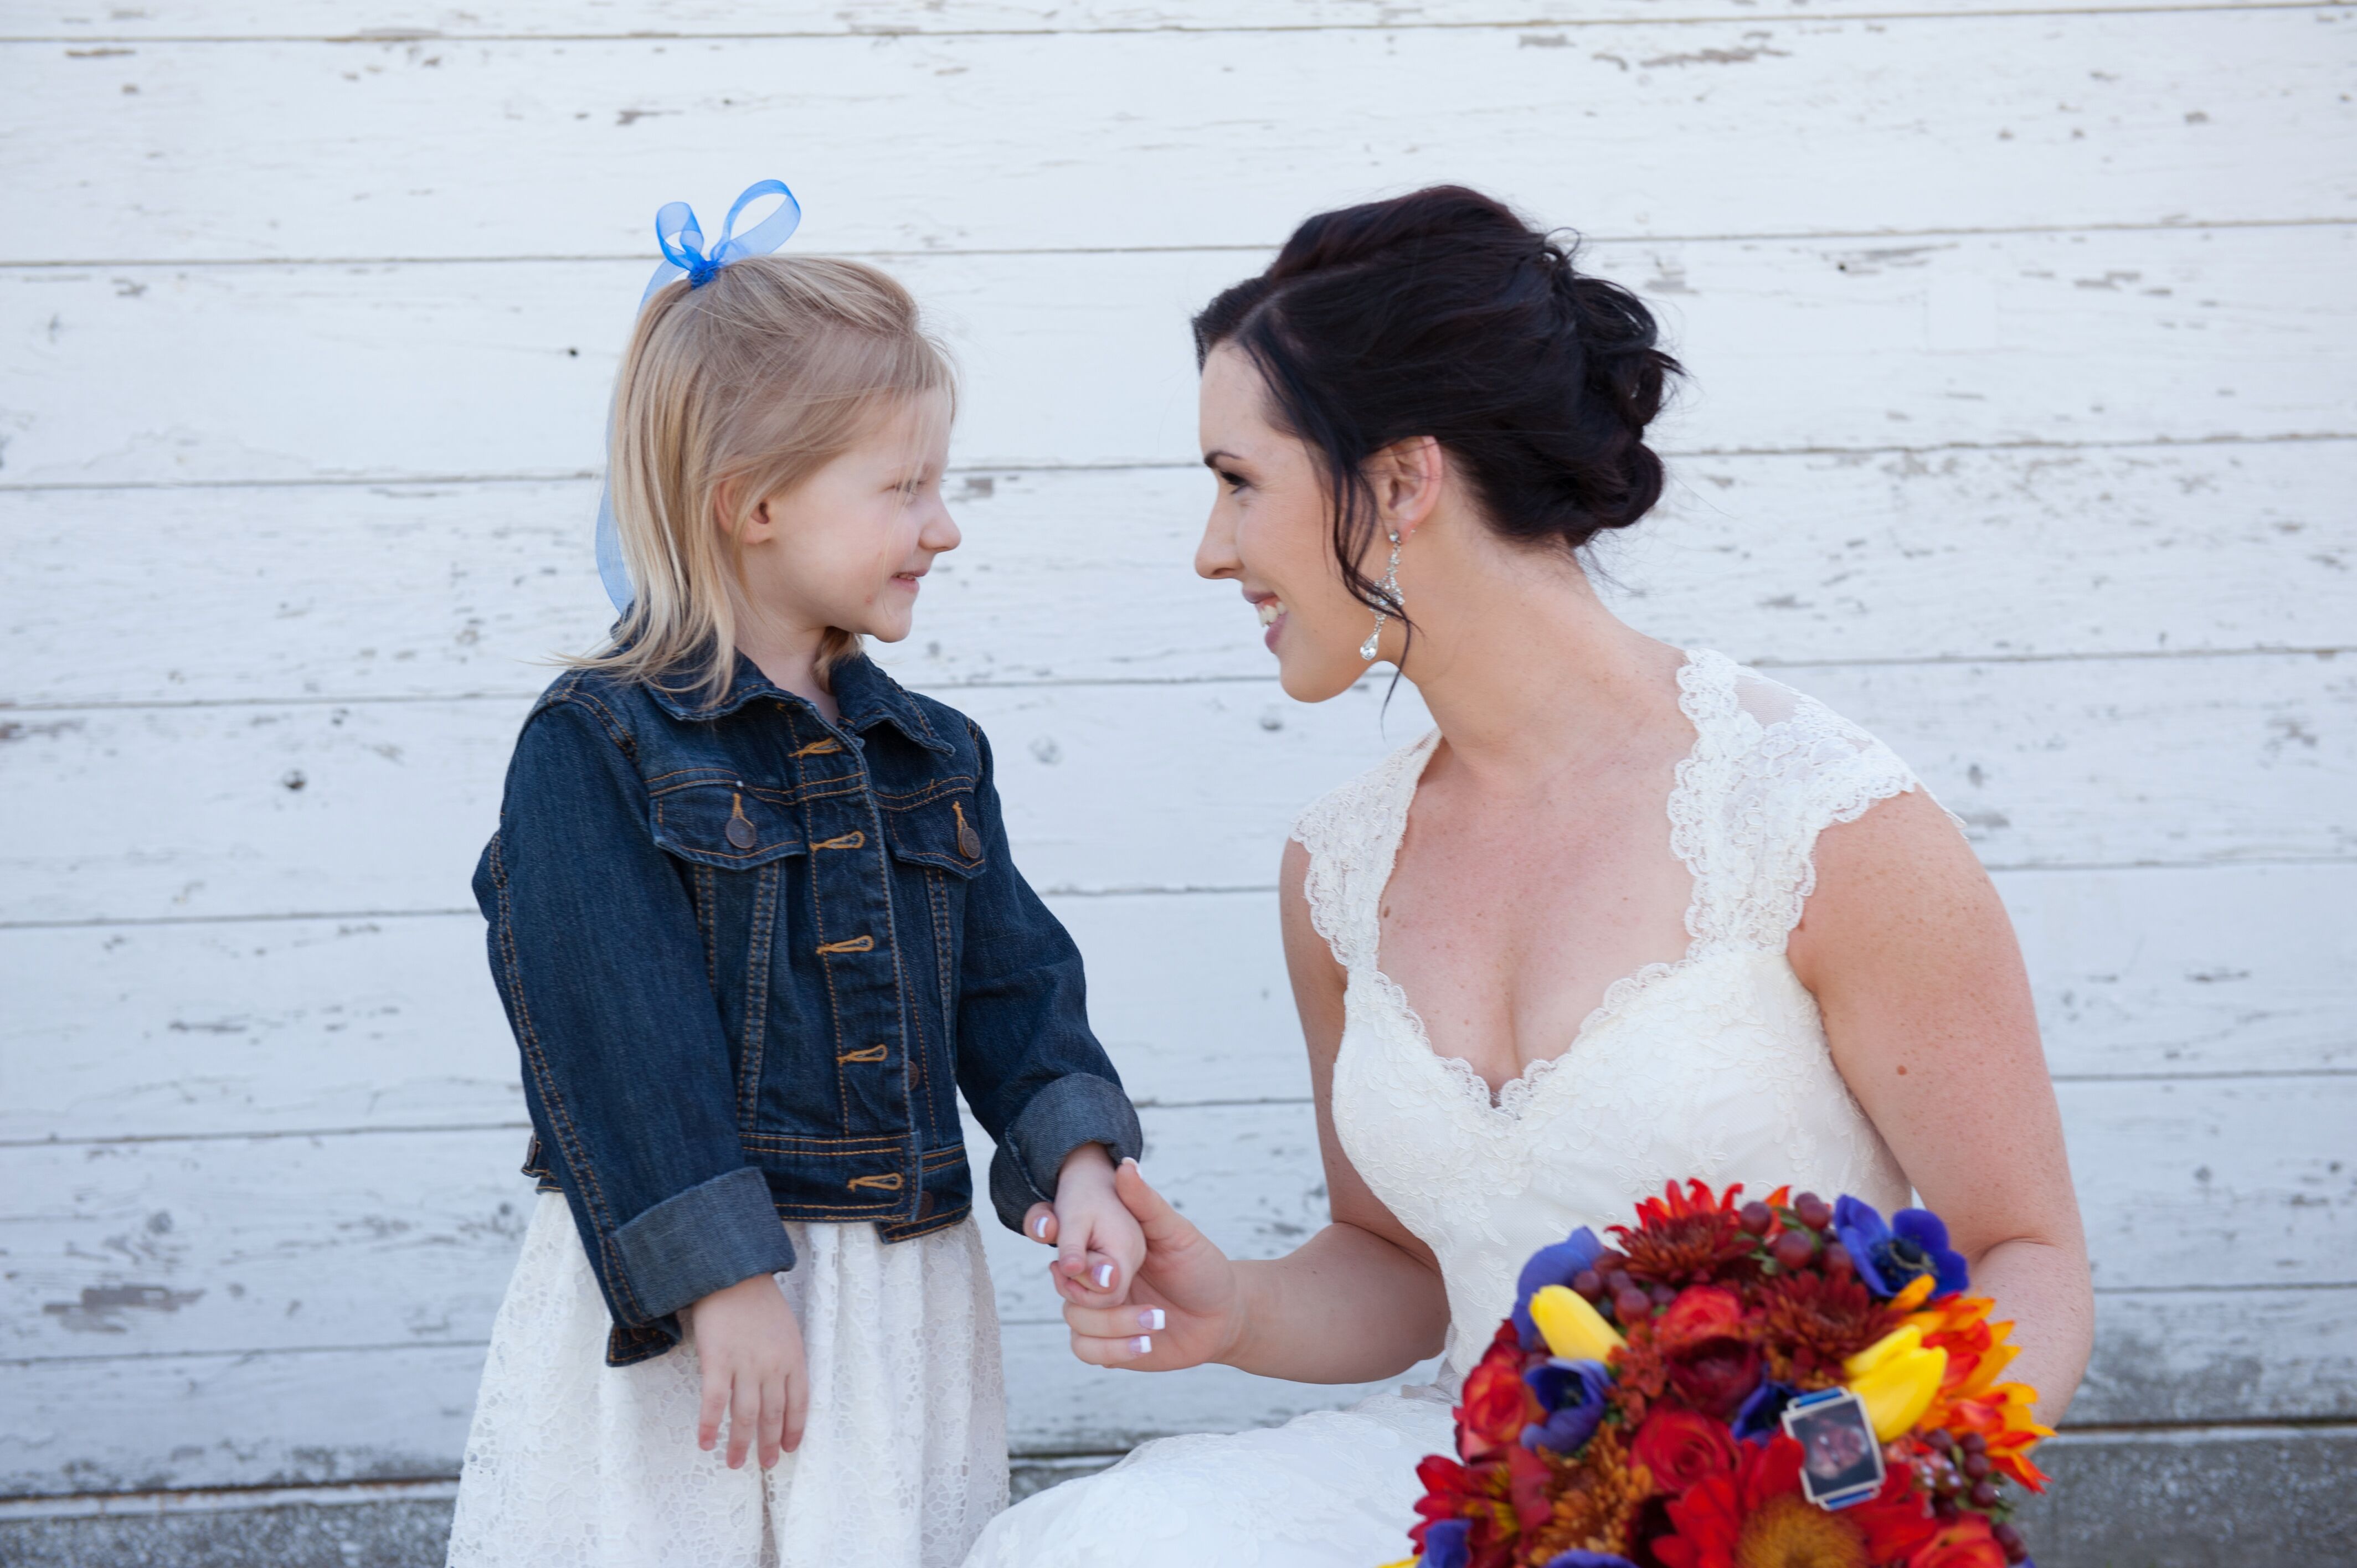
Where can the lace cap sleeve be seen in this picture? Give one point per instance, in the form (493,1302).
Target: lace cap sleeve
(1813,768)
(1352,835)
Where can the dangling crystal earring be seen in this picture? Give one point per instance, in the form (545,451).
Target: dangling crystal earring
(1391,589)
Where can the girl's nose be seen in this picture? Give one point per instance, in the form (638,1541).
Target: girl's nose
(941,533)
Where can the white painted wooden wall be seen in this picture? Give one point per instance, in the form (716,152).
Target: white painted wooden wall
(2021,431)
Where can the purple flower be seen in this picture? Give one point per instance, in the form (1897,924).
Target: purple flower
(1555,1265)
(1888,1256)
(1761,1415)
(1572,1392)
(1589,1560)
(1444,1544)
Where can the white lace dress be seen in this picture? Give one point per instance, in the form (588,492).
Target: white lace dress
(574,1464)
(1715,1065)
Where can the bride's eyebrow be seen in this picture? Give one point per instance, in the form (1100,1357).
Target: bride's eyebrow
(1217,455)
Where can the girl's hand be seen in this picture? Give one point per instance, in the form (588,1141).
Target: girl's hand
(1098,1243)
(751,1351)
(1185,1306)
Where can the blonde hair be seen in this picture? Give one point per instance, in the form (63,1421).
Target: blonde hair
(731,393)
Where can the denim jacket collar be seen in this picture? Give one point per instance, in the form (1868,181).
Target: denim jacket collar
(864,695)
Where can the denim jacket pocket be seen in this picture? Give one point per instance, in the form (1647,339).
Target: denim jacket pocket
(714,820)
(942,828)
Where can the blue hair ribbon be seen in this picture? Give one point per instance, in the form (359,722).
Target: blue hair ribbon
(680,239)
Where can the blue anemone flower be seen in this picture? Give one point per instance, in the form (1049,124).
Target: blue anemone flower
(1555,1265)
(1888,1256)
(1572,1392)
(1444,1544)
(1577,1559)
(1761,1414)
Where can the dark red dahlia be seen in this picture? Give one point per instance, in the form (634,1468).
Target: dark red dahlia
(1688,1238)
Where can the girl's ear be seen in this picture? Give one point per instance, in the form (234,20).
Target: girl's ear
(754,528)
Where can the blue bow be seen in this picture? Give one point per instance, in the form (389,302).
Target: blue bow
(680,238)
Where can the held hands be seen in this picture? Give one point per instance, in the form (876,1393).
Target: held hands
(1097,1242)
(751,1348)
(1184,1307)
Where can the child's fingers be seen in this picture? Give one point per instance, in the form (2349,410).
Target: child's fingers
(773,1419)
(1072,1251)
(797,1407)
(716,1405)
(744,1418)
(1040,1224)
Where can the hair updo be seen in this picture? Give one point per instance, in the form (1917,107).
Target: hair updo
(1442,314)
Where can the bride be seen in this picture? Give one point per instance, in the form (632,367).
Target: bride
(1629,914)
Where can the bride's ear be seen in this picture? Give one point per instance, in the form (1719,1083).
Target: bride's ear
(1406,478)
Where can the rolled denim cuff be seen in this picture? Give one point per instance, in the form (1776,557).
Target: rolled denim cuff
(1077,1108)
(703,1239)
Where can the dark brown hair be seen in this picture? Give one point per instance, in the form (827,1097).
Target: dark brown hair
(1444,314)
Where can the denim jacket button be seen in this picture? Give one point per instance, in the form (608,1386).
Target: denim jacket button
(739,833)
(924,1205)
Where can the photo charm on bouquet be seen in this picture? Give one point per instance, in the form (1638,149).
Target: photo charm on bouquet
(1731,1383)
(1841,1461)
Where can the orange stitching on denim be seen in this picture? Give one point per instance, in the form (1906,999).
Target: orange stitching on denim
(889,1183)
(849,944)
(872,1054)
(852,839)
(762,929)
(818,748)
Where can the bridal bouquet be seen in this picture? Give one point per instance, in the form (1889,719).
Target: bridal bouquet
(1788,1382)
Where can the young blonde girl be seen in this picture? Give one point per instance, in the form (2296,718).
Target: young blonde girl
(755,924)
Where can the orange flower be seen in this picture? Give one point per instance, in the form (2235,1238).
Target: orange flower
(1970,1398)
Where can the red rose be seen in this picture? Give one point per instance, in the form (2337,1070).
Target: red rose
(1717,1376)
(1700,1313)
(1497,1405)
(1963,1541)
(1712,1364)
(1681,1448)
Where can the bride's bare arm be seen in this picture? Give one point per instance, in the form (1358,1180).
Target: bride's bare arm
(1360,1300)
(1913,962)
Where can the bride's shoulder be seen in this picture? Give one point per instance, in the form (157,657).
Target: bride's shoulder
(1764,734)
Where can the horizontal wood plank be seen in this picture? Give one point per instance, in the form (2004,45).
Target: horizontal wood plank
(385,806)
(218,1029)
(418,591)
(426,21)
(2007,122)
(220,1245)
(163,374)
(272,1418)
(2163,1357)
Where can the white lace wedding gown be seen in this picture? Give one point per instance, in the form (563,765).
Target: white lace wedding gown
(1715,1065)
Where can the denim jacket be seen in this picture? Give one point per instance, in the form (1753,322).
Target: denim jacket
(750,957)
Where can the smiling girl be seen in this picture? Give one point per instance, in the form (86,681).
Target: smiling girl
(756,927)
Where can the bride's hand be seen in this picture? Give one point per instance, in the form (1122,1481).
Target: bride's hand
(1184,1308)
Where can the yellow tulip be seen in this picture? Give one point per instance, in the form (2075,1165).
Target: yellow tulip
(1898,1342)
(1573,1330)
(1897,1378)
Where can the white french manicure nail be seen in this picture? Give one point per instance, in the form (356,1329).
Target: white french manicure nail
(1142,1345)
(1104,1277)
(1150,1318)
(1041,1229)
